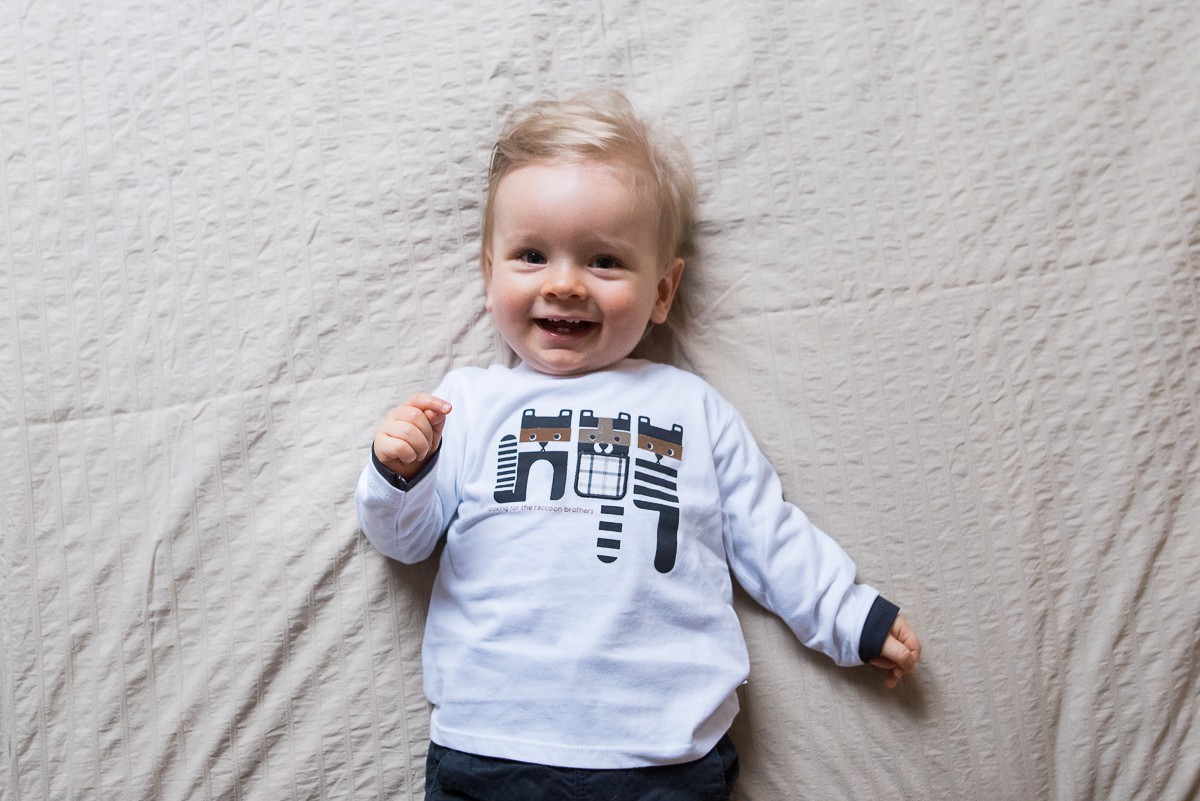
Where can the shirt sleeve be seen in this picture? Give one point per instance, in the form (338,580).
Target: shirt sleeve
(402,523)
(782,560)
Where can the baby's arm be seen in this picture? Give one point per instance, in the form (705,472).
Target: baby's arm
(901,652)
(410,434)
(401,513)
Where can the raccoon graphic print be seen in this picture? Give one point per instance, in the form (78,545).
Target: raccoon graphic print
(536,433)
(602,468)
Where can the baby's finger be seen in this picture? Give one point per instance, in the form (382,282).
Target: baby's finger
(904,633)
(892,672)
(405,421)
(397,450)
(405,436)
(899,654)
(429,403)
(885,664)
(435,408)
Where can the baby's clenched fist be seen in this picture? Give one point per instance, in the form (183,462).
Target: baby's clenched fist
(410,434)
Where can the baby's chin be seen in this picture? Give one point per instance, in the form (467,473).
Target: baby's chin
(563,366)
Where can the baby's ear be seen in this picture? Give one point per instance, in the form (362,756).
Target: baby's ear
(667,286)
(487,281)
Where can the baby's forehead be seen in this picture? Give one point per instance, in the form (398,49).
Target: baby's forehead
(637,176)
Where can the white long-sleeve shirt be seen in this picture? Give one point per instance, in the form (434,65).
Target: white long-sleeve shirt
(582,612)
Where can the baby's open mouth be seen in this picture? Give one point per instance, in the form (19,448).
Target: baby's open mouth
(559,326)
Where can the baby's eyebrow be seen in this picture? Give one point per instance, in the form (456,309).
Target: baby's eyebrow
(613,242)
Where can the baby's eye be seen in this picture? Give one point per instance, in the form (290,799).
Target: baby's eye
(533,257)
(605,263)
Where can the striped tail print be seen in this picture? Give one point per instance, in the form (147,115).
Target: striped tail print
(610,524)
(654,489)
(506,467)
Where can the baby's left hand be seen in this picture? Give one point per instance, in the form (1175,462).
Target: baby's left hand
(901,652)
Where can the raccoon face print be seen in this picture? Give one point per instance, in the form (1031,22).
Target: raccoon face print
(605,435)
(659,442)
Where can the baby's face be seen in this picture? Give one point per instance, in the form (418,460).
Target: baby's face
(573,273)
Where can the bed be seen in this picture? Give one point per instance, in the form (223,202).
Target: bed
(948,269)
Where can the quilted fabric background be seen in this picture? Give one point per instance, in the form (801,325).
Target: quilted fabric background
(949,268)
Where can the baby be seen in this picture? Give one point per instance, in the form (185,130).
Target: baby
(581,632)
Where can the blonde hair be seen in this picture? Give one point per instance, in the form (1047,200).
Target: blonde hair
(600,125)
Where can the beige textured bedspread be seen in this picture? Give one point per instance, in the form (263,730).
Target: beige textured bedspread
(949,268)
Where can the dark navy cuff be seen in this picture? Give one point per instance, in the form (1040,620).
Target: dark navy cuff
(875,630)
(398,481)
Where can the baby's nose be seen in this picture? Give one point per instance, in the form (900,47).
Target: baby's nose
(564,281)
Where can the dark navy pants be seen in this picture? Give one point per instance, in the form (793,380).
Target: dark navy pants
(456,776)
